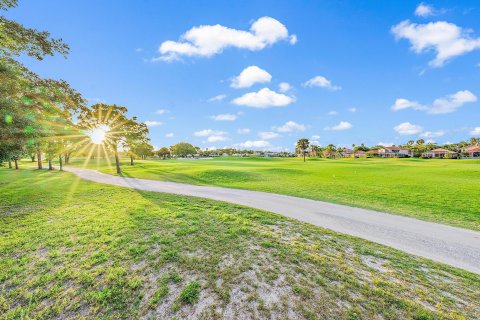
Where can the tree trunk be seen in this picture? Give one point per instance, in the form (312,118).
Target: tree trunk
(32,157)
(50,166)
(9,163)
(60,162)
(39,159)
(67,158)
(16,164)
(117,161)
(304,156)
(131,160)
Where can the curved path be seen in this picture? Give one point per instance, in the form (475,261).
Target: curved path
(454,246)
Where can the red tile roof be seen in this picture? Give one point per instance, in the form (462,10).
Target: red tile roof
(396,148)
(441,150)
(473,149)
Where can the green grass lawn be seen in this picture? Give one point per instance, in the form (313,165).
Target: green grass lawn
(76,249)
(444,191)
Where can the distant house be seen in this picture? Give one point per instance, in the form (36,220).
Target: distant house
(394,152)
(372,153)
(346,153)
(440,153)
(472,151)
(271,154)
(327,153)
(360,154)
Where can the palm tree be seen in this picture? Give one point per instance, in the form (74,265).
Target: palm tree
(314,150)
(330,151)
(302,146)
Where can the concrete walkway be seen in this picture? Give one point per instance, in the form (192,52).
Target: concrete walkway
(454,246)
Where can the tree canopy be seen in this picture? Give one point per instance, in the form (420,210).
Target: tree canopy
(183,149)
(302,146)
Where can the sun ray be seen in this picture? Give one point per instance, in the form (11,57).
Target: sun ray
(92,149)
(106,157)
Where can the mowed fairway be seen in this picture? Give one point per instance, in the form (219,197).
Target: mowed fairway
(443,191)
(76,249)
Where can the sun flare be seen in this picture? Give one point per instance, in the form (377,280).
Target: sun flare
(97,135)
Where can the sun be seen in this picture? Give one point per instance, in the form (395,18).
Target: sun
(98,134)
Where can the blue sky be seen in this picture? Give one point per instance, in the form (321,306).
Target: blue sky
(357,71)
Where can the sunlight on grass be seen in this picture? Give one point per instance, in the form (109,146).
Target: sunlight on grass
(442,191)
(111,252)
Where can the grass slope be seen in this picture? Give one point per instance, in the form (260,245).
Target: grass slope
(76,249)
(444,191)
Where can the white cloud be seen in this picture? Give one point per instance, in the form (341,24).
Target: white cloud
(153,123)
(315,140)
(293,39)
(406,128)
(138,50)
(212,135)
(209,40)
(216,138)
(224,117)
(352,110)
(254,144)
(446,39)
(265,98)
(249,76)
(475,131)
(243,131)
(332,113)
(452,102)
(218,98)
(267,135)
(401,104)
(209,132)
(290,126)
(432,134)
(169,135)
(385,144)
(322,82)
(285,86)
(343,125)
(447,104)
(424,10)
(161,111)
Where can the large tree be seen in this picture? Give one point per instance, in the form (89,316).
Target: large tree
(117,127)
(143,150)
(31,108)
(163,152)
(136,141)
(183,149)
(15,39)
